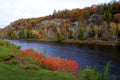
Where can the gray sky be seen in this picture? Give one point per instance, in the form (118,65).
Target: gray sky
(11,10)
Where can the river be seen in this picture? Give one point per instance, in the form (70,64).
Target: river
(91,55)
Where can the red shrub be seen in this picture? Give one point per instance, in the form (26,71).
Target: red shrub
(37,55)
(26,52)
(52,63)
(59,64)
(70,65)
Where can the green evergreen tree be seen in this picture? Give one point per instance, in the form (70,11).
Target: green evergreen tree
(21,34)
(81,34)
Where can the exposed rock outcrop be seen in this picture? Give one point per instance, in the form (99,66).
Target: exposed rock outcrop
(51,28)
(95,19)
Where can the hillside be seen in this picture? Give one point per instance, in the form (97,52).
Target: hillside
(98,22)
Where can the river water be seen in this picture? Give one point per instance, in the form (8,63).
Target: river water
(91,55)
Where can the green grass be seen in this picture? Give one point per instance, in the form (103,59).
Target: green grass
(10,70)
(6,49)
(4,52)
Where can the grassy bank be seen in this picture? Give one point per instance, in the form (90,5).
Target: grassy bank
(12,72)
(7,49)
(10,69)
(14,66)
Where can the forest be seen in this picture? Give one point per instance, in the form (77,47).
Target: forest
(98,22)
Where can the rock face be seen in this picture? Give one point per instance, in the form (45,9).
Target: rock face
(51,28)
(74,26)
(95,19)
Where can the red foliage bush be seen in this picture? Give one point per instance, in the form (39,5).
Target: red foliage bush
(52,63)
(26,52)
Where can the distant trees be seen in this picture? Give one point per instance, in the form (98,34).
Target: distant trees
(24,34)
(95,22)
(106,12)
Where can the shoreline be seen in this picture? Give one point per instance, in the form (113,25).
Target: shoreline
(94,42)
(80,42)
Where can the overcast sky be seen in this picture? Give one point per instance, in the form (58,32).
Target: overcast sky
(11,10)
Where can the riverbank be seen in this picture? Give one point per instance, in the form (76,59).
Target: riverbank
(93,42)
(24,67)
(80,42)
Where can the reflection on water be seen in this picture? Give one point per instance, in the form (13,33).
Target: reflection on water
(92,55)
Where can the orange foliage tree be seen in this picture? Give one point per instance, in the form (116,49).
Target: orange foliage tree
(116,18)
(39,36)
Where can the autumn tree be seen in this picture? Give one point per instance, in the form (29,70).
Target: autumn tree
(116,18)
(39,36)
